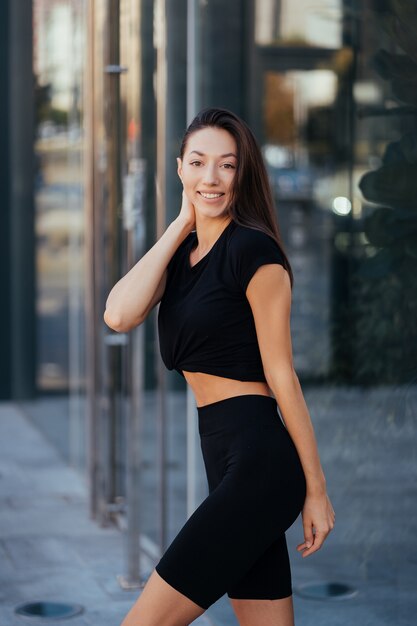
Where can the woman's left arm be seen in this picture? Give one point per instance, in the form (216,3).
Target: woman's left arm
(269,295)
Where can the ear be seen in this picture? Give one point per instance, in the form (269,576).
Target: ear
(179,167)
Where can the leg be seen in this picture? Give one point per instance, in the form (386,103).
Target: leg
(159,604)
(256,492)
(264,612)
(263,596)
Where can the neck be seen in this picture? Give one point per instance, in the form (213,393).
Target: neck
(209,230)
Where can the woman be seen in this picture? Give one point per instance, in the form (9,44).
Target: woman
(224,283)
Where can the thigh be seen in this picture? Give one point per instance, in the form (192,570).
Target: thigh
(216,546)
(264,612)
(159,604)
(269,578)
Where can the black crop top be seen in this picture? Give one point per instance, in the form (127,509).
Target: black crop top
(205,322)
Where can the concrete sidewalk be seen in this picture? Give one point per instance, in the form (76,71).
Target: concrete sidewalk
(50,550)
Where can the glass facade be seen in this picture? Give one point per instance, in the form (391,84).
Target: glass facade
(59,40)
(328,88)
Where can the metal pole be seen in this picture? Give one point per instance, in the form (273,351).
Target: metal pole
(19,101)
(134,458)
(192,97)
(92,382)
(161,97)
(192,60)
(112,125)
(134,224)
(76,417)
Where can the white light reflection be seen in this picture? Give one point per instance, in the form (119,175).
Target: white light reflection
(342,205)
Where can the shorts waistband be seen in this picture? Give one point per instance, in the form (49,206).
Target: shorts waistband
(236,410)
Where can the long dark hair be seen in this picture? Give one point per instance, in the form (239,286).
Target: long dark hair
(252,201)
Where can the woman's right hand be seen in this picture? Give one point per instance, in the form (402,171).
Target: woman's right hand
(187,212)
(317,512)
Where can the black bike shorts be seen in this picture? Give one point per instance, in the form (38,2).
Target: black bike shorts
(235,542)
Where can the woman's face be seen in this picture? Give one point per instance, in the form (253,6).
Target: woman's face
(207,170)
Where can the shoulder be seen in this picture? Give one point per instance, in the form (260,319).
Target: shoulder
(250,248)
(248,240)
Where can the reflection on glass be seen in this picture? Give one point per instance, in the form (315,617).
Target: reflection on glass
(386,280)
(58,70)
(59,215)
(347,116)
(297,128)
(298,23)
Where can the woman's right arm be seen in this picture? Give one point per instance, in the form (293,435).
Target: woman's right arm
(133,296)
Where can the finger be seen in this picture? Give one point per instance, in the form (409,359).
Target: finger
(311,550)
(319,538)
(308,536)
(306,544)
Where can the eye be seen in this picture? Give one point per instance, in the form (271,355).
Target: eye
(229,166)
(194,162)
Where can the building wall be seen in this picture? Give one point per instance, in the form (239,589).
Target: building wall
(327,93)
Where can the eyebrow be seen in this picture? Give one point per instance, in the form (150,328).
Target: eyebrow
(221,156)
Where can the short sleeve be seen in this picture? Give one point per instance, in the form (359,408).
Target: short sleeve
(249,250)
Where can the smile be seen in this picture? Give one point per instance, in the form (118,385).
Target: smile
(210,196)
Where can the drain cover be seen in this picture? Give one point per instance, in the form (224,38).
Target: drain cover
(49,610)
(326,591)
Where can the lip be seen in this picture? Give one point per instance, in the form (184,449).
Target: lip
(211,199)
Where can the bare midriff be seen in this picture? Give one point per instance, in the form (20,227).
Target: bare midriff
(208,388)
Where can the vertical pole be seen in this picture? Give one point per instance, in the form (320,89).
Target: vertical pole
(134,224)
(192,60)
(134,457)
(192,96)
(5,195)
(75,348)
(133,452)
(114,244)
(21,246)
(161,97)
(92,383)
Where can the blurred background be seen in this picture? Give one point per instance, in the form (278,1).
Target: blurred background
(95,98)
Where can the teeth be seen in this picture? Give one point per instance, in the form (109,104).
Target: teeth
(211,195)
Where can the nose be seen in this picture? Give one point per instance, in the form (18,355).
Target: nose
(210,175)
